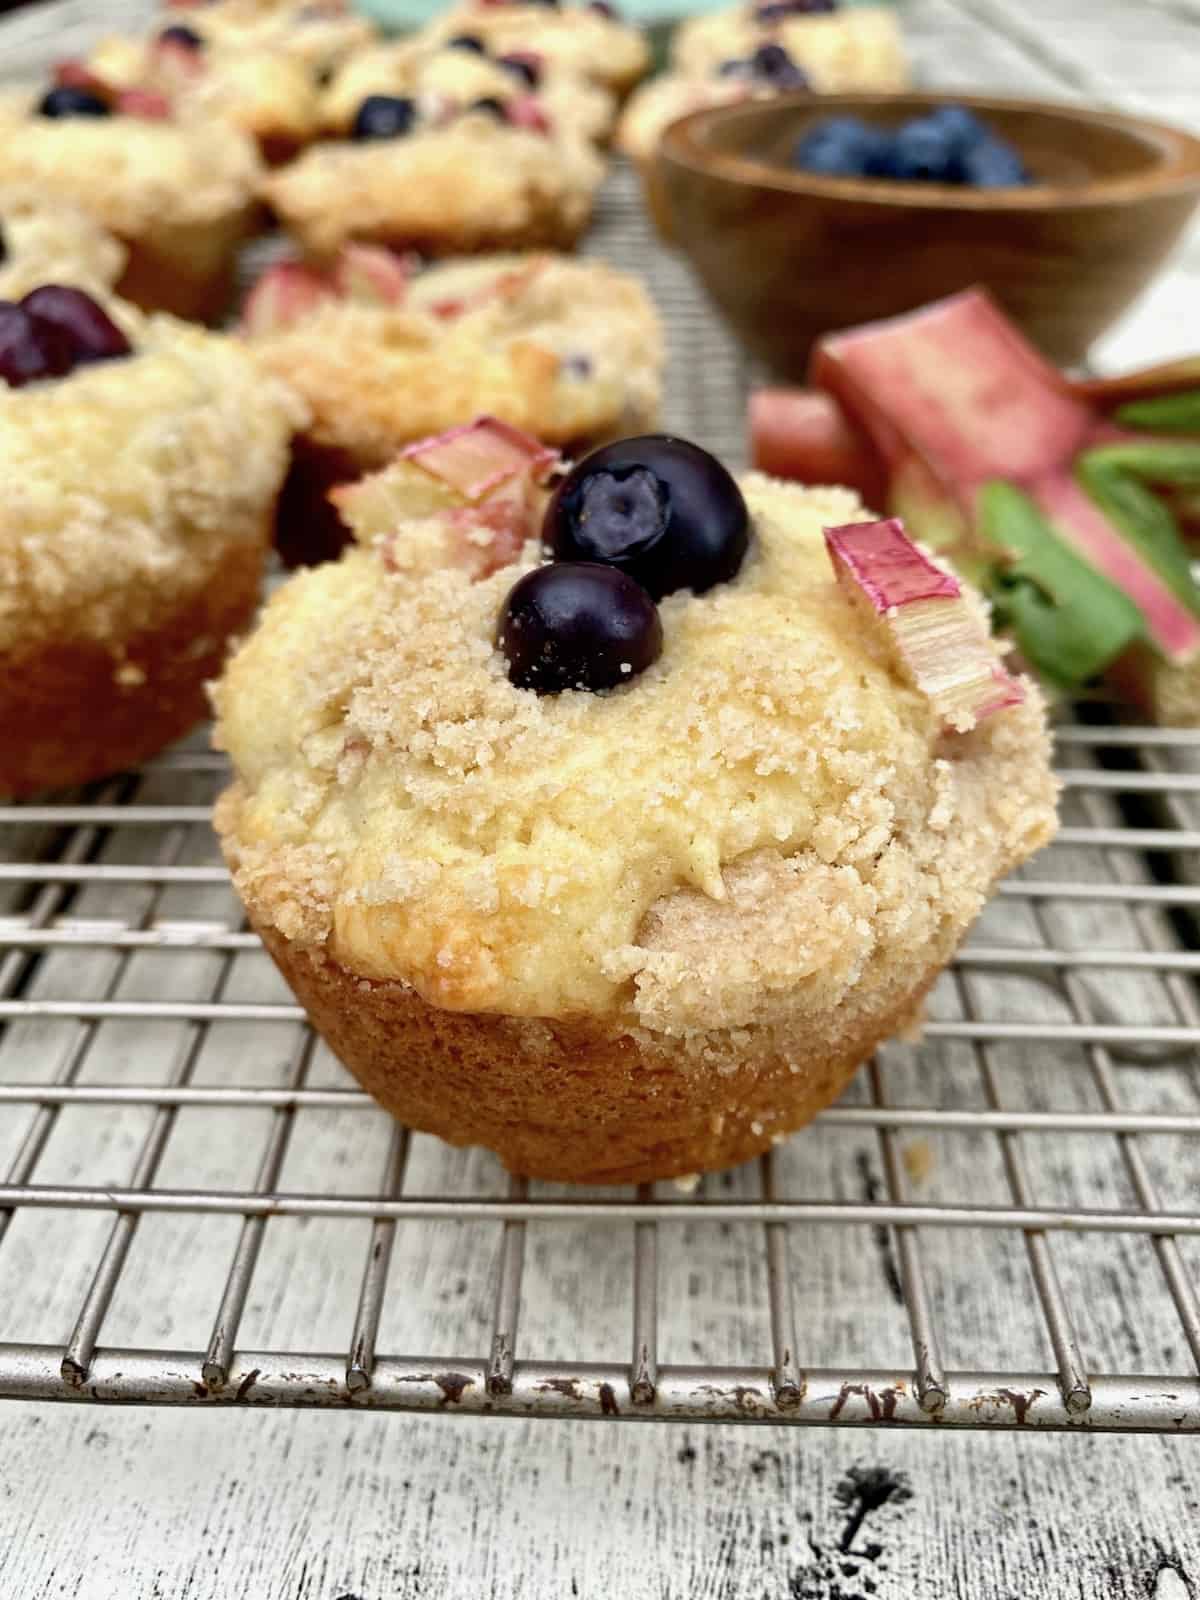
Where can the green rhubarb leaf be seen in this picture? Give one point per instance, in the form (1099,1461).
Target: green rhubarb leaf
(1117,477)
(1164,413)
(1069,621)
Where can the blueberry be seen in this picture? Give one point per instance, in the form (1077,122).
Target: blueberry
(71,315)
(922,151)
(992,164)
(27,351)
(772,64)
(467,41)
(3,248)
(576,625)
(66,102)
(659,508)
(960,126)
(490,106)
(178,33)
(780,10)
(841,147)
(602,8)
(384,116)
(526,68)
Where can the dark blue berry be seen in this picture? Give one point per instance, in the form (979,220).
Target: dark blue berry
(384,116)
(525,67)
(69,314)
(992,164)
(467,41)
(3,248)
(574,625)
(842,147)
(490,106)
(922,151)
(67,102)
(961,127)
(733,68)
(659,508)
(771,64)
(780,10)
(602,8)
(27,351)
(178,33)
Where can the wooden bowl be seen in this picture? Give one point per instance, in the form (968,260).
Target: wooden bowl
(789,255)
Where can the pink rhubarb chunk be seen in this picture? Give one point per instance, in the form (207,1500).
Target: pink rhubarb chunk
(939,641)
(479,457)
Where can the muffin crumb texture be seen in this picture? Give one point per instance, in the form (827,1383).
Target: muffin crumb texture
(763,837)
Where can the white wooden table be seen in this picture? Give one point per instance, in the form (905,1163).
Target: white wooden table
(206,1504)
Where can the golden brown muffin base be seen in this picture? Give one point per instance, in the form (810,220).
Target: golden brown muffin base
(189,271)
(569,1101)
(71,711)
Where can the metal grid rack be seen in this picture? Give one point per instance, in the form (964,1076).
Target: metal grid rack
(183,1164)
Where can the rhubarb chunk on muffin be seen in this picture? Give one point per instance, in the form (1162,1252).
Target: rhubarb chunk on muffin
(619,863)
(441,179)
(384,353)
(48,241)
(179,195)
(141,460)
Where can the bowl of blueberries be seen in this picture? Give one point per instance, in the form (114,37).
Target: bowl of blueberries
(806,213)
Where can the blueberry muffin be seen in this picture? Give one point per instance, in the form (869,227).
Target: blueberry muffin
(590,40)
(141,459)
(320,34)
(441,179)
(48,242)
(180,196)
(839,51)
(461,72)
(382,355)
(261,91)
(619,864)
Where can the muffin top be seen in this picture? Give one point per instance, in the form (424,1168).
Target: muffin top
(46,242)
(563,348)
(317,33)
(734,835)
(128,479)
(581,37)
(857,48)
(127,171)
(459,185)
(432,70)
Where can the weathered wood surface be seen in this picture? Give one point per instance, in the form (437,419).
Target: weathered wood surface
(108,1504)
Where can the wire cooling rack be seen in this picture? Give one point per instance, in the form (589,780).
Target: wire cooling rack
(998,1226)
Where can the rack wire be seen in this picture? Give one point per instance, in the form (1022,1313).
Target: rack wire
(1029,1171)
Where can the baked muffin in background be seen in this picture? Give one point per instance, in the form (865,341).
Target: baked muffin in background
(179,195)
(141,459)
(384,353)
(319,33)
(45,241)
(590,40)
(459,71)
(444,181)
(840,50)
(642,927)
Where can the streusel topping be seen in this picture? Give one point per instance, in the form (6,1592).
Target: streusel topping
(762,818)
(49,242)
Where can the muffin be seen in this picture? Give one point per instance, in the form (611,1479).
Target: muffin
(840,52)
(460,71)
(180,196)
(444,181)
(46,242)
(320,34)
(590,40)
(266,94)
(141,459)
(569,350)
(618,890)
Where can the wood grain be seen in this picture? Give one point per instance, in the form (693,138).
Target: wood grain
(109,1504)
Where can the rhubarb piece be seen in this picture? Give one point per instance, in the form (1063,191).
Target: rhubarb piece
(145,103)
(959,404)
(805,435)
(526,111)
(74,74)
(283,295)
(369,273)
(936,637)
(479,457)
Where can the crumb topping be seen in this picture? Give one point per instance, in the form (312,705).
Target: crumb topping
(856,48)
(563,349)
(468,182)
(762,823)
(52,243)
(594,46)
(129,173)
(128,480)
